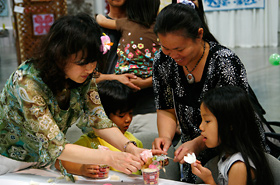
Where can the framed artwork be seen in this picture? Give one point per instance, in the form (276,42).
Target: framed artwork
(42,23)
(3,8)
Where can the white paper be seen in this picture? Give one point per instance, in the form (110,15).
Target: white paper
(190,158)
(18,9)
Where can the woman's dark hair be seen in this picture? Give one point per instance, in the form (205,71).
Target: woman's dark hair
(201,14)
(178,17)
(143,12)
(238,129)
(115,96)
(68,35)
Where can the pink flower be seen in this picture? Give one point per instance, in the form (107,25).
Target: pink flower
(106,44)
(146,154)
(130,55)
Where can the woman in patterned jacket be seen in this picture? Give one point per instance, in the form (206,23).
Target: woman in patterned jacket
(190,63)
(49,93)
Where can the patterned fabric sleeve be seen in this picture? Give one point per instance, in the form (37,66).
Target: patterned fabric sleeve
(162,89)
(96,115)
(39,123)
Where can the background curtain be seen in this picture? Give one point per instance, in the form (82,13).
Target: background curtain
(247,27)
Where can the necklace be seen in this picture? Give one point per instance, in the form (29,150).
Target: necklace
(190,77)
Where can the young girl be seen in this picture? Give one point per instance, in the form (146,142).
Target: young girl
(229,123)
(138,43)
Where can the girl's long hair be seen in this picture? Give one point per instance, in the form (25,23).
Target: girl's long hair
(68,35)
(143,12)
(238,130)
(178,17)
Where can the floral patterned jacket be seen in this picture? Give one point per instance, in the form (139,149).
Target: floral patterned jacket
(33,127)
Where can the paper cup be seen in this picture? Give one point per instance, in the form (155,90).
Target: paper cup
(150,176)
(103,172)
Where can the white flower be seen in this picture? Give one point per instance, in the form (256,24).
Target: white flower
(190,158)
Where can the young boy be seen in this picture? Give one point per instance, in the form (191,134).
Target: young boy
(118,102)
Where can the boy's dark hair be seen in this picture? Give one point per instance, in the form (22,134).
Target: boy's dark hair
(68,35)
(238,129)
(178,17)
(142,11)
(115,96)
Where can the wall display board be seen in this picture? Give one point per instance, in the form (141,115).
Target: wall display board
(33,19)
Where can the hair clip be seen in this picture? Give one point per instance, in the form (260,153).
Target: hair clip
(186,2)
(106,43)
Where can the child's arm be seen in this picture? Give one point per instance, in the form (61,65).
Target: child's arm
(87,170)
(203,173)
(123,78)
(142,82)
(105,22)
(237,174)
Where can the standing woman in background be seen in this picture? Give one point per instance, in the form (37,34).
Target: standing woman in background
(189,65)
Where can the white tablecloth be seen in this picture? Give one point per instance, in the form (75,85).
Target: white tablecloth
(42,176)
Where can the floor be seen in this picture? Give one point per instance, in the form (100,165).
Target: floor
(263,77)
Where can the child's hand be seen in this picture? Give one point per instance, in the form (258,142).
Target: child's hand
(202,172)
(90,170)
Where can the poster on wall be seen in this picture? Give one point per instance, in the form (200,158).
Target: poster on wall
(4,8)
(218,5)
(42,23)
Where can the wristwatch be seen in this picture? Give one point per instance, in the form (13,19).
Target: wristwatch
(126,144)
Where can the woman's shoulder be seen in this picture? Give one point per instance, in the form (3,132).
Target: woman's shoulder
(27,71)
(218,48)
(220,54)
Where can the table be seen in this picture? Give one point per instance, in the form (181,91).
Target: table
(42,176)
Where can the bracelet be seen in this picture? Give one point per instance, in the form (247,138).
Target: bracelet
(126,144)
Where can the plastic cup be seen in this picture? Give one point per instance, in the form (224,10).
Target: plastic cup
(150,176)
(103,172)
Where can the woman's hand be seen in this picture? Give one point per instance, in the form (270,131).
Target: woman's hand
(202,172)
(126,79)
(89,170)
(194,146)
(124,162)
(162,143)
(142,82)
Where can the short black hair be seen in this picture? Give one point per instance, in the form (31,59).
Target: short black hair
(115,96)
